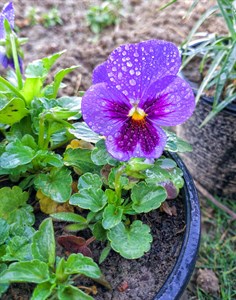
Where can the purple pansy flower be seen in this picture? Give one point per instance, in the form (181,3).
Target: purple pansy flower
(9,14)
(134,92)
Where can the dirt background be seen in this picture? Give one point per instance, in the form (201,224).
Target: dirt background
(141,20)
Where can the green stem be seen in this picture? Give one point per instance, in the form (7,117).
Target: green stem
(11,87)
(119,172)
(16,61)
(41,132)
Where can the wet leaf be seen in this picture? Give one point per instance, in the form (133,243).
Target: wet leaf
(43,245)
(131,242)
(112,216)
(56,184)
(92,199)
(88,180)
(79,264)
(146,197)
(28,271)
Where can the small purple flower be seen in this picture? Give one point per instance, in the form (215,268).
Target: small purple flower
(8,13)
(134,92)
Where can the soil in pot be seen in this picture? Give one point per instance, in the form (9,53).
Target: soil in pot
(138,279)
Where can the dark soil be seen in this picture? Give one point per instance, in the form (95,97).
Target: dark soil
(141,21)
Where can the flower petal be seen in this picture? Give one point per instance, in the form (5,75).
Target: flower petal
(100,74)
(9,14)
(169,101)
(136,140)
(132,68)
(104,108)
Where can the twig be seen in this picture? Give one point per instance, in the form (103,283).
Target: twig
(206,194)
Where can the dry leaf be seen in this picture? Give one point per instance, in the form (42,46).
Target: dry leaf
(48,206)
(169,210)
(74,144)
(123,286)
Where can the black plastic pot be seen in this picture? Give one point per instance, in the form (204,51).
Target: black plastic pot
(213,159)
(178,279)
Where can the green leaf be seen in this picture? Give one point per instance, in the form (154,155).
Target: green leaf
(104,254)
(92,199)
(131,242)
(16,154)
(124,181)
(112,216)
(43,245)
(70,292)
(19,249)
(4,231)
(99,232)
(3,287)
(32,88)
(72,104)
(175,144)
(80,159)
(13,201)
(100,156)
(43,291)
(56,184)
(83,132)
(75,227)
(59,77)
(89,180)
(79,264)
(40,68)
(27,271)
(147,197)
(69,217)
(13,111)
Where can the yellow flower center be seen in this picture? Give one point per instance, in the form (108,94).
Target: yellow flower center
(137,114)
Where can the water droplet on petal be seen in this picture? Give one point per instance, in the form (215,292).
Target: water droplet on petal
(120,75)
(129,64)
(131,72)
(114,69)
(124,53)
(132,82)
(138,73)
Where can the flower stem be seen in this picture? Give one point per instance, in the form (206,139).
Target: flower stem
(41,132)
(16,61)
(118,187)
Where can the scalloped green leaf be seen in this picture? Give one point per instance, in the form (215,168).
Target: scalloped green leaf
(13,111)
(83,132)
(147,197)
(4,231)
(14,207)
(80,264)
(100,155)
(131,242)
(18,249)
(80,159)
(92,199)
(176,144)
(89,180)
(43,244)
(56,184)
(27,271)
(112,216)
(16,154)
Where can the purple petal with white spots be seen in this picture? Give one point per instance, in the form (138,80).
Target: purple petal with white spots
(133,140)
(168,101)
(100,74)
(9,14)
(132,68)
(104,108)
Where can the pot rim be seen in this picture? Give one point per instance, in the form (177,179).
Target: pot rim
(180,275)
